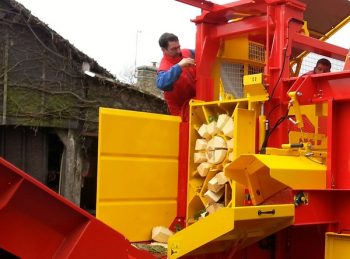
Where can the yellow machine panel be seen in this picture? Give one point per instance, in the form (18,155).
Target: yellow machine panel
(228,227)
(232,65)
(266,175)
(219,132)
(137,171)
(337,246)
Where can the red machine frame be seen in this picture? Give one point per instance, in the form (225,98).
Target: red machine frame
(65,231)
(278,24)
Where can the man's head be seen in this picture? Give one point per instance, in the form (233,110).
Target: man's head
(170,45)
(322,66)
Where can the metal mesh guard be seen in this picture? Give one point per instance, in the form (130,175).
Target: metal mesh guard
(232,78)
(232,73)
(256,52)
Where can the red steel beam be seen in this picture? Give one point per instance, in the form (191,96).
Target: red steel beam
(239,28)
(204,5)
(223,13)
(320,47)
(36,222)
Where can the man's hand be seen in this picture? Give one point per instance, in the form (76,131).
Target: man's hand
(187,62)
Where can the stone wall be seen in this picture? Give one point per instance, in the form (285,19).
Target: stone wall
(146,80)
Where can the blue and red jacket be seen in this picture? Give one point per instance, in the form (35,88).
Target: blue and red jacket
(177,83)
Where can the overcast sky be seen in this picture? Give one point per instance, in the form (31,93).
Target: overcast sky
(106,30)
(111,31)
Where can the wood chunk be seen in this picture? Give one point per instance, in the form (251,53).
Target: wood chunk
(201,144)
(216,150)
(203,131)
(216,156)
(222,119)
(214,207)
(161,234)
(203,169)
(230,156)
(213,197)
(199,157)
(221,178)
(214,186)
(228,128)
(229,144)
(212,129)
(217,142)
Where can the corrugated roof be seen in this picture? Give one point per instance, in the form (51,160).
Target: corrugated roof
(323,15)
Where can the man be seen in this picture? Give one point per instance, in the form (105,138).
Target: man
(176,75)
(322,66)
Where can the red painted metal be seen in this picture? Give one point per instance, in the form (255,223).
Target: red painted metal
(340,145)
(36,222)
(320,47)
(347,62)
(329,173)
(223,13)
(287,18)
(334,89)
(216,13)
(179,221)
(230,30)
(211,28)
(278,25)
(206,50)
(205,5)
(305,242)
(319,210)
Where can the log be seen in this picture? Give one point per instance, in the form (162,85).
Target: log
(161,234)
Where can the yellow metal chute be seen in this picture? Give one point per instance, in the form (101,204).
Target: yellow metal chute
(137,171)
(266,175)
(230,228)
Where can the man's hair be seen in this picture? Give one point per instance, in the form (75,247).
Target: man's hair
(165,38)
(325,62)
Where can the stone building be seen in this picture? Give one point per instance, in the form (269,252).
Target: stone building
(49,104)
(146,80)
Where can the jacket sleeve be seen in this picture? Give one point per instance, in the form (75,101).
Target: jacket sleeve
(193,53)
(165,79)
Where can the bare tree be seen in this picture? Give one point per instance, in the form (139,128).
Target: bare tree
(128,75)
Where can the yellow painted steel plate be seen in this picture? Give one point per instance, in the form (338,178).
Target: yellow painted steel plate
(137,171)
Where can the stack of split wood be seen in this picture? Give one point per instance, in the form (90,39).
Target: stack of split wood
(213,150)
